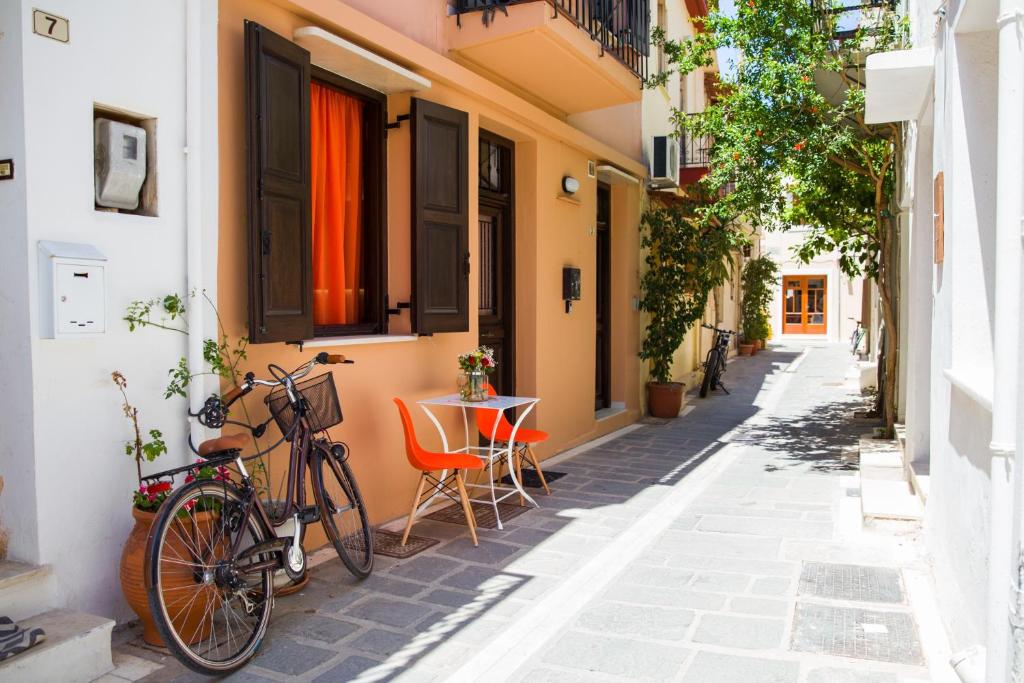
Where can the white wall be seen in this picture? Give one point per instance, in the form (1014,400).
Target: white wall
(83,479)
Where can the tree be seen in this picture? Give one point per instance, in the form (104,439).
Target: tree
(790,137)
(687,255)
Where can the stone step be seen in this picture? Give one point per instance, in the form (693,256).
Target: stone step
(26,589)
(76,650)
(920,479)
(885,492)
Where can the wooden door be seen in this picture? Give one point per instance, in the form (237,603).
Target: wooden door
(496,314)
(805,304)
(602,369)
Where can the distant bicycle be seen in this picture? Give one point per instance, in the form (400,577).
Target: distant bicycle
(857,337)
(714,366)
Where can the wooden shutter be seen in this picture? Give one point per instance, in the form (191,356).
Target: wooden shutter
(440,207)
(280,233)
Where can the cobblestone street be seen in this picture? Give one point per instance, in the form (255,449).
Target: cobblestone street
(725,546)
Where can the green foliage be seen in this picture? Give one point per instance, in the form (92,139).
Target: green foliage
(687,256)
(760,275)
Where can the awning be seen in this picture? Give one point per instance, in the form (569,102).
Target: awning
(355,63)
(898,84)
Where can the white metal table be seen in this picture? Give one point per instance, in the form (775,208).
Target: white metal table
(488,453)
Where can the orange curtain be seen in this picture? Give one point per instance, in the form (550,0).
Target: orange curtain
(336,124)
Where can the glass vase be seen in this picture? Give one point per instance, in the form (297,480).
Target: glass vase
(473,385)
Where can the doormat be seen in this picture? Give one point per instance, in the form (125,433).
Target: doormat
(15,639)
(389,544)
(483,512)
(532,481)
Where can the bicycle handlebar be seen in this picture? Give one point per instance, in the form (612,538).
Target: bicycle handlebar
(286,379)
(716,329)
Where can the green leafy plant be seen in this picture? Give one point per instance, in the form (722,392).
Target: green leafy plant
(790,138)
(147,497)
(686,257)
(760,275)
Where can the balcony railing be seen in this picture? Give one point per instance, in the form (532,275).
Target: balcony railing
(695,151)
(621,27)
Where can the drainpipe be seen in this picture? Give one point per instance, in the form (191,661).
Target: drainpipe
(1006,506)
(193,211)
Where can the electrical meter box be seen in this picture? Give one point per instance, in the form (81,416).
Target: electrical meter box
(120,163)
(72,290)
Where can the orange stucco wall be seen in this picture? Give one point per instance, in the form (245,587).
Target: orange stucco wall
(555,351)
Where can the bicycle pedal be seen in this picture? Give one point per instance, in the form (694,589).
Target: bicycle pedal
(309,514)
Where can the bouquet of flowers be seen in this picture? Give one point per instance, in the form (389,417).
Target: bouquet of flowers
(481,359)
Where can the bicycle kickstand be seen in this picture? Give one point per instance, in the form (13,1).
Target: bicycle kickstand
(722,387)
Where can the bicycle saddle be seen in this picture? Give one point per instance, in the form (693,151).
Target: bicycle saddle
(229,442)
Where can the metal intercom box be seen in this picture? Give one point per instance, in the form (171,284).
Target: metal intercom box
(72,290)
(120,163)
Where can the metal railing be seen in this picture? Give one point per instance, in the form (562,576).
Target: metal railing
(695,151)
(621,27)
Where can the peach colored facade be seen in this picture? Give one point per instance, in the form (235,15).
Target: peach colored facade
(555,351)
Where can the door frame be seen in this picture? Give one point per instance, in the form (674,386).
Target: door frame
(603,284)
(504,202)
(805,328)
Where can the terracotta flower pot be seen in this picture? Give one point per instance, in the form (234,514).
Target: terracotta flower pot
(762,343)
(664,399)
(191,625)
(747,349)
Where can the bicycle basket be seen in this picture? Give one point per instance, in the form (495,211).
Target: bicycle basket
(323,408)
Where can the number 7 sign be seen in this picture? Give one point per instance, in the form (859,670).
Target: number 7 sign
(50,26)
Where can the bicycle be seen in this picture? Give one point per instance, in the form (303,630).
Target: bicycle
(858,335)
(213,550)
(714,365)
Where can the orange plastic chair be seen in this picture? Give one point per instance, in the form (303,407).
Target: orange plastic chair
(429,461)
(485,419)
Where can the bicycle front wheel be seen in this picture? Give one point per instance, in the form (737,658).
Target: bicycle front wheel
(210,607)
(342,511)
(710,374)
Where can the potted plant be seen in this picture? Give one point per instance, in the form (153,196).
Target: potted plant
(475,366)
(760,275)
(686,258)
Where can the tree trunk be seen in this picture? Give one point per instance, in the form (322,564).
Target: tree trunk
(887,263)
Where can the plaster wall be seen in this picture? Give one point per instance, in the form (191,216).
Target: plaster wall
(555,350)
(76,471)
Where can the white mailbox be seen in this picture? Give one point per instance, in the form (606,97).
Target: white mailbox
(72,290)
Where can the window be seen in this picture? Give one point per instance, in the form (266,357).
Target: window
(663,25)
(317,235)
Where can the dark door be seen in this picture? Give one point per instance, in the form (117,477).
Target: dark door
(602,370)
(497,258)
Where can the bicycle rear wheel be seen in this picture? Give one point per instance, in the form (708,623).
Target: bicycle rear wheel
(342,511)
(710,373)
(211,608)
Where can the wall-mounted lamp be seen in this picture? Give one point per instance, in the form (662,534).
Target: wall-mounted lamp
(570,286)
(570,185)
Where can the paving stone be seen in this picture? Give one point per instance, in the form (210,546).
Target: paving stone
(771,586)
(448,598)
(243,676)
(380,583)
(765,527)
(721,545)
(475,578)
(736,565)
(639,621)
(749,633)
(712,667)
(761,606)
(858,633)
(851,582)
(645,575)
(316,627)
(526,536)
(488,552)
(285,656)
(547,675)
(347,670)
(668,597)
(714,581)
(837,675)
(389,612)
(616,656)
(380,642)
(426,568)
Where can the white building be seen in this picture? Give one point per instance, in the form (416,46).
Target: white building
(959,90)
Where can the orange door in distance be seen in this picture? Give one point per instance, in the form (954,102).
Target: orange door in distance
(804,304)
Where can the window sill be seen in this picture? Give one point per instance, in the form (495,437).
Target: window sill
(360,340)
(970,387)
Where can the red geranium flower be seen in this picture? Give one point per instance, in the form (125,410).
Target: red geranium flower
(159,487)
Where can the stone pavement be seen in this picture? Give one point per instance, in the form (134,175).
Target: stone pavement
(722,547)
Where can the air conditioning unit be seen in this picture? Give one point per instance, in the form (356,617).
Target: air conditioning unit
(664,162)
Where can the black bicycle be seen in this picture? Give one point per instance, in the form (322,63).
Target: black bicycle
(714,365)
(213,549)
